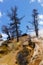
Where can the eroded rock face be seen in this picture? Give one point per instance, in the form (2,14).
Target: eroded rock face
(22,57)
(41,63)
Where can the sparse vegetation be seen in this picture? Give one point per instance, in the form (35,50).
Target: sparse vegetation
(20,49)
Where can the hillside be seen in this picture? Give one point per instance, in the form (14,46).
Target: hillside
(34,57)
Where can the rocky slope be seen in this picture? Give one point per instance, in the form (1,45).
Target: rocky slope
(35,57)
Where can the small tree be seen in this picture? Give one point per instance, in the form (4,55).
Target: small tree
(34,24)
(6,31)
(15,24)
(35,21)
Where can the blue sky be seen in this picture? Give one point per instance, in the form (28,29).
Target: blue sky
(25,8)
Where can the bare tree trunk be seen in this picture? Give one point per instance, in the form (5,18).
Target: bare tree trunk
(35,16)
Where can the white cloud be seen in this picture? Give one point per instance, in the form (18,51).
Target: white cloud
(40,19)
(32,1)
(41,32)
(4,36)
(1,0)
(41,16)
(41,22)
(39,1)
(42,5)
(0,14)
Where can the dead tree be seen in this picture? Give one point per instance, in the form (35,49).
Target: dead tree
(35,21)
(34,24)
(15,24)
(6,31)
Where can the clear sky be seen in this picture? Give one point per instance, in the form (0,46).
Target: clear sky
(25,7)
